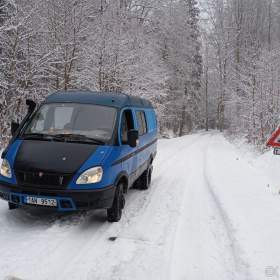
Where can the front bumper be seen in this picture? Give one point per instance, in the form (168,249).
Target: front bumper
(67,200)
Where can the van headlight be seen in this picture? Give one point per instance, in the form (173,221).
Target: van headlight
(91,176)
(5,169)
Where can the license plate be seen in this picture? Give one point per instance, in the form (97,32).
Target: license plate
(41,201)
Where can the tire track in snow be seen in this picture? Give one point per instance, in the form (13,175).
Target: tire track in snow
(172,196)
(118,271)
(194,252)
(204,244)
(242,269)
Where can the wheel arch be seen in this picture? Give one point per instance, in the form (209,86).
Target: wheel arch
(122,177)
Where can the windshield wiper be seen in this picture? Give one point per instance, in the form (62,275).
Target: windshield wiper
(37,136)
(77,138)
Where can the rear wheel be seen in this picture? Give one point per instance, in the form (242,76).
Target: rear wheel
(114,213)
(144,181)
(12,206)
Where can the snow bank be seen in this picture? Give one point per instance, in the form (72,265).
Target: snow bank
(246,188)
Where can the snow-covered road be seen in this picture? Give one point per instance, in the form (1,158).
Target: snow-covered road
(213,212)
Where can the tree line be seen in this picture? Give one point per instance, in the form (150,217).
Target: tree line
(206,65)
(148,48)
(241,66)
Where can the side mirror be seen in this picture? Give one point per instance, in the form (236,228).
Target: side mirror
(14,128)
(31,105)
(132,137)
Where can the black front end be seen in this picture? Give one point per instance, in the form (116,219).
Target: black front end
(44,169)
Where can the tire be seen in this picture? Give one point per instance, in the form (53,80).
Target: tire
(144,181)
(114,213)
(12,206)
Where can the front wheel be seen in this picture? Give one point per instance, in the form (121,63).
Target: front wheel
(114,213)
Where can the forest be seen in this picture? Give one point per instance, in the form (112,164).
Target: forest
(208,64)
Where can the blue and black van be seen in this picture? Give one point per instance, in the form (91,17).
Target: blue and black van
(80,150)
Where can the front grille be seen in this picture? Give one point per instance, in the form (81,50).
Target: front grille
(43,180)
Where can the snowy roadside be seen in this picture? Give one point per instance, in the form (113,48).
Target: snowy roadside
(246,187)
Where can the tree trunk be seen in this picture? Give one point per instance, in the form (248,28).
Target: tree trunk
(183,119)
(206,100)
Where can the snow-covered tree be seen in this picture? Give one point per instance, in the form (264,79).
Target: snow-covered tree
(243,37)
(148,48)
(180,48)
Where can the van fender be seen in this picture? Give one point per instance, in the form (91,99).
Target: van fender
(124,177)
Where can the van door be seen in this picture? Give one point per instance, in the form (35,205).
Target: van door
(128,123)
(142,156)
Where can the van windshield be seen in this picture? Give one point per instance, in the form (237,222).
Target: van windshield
(62,120)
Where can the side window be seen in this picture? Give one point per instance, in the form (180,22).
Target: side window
(139,121)
(142,123)
(151,120)
(126,125)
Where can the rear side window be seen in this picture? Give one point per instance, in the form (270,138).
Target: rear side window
(151,120)
(142,123)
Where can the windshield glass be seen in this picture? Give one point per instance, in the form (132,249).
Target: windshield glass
(92,121)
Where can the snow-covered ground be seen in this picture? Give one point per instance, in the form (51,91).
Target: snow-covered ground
(213,212)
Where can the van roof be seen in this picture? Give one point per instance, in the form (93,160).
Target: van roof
(112,99)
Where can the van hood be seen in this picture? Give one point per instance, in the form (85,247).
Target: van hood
(57,157)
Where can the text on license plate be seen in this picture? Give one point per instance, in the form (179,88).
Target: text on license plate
(41,201)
